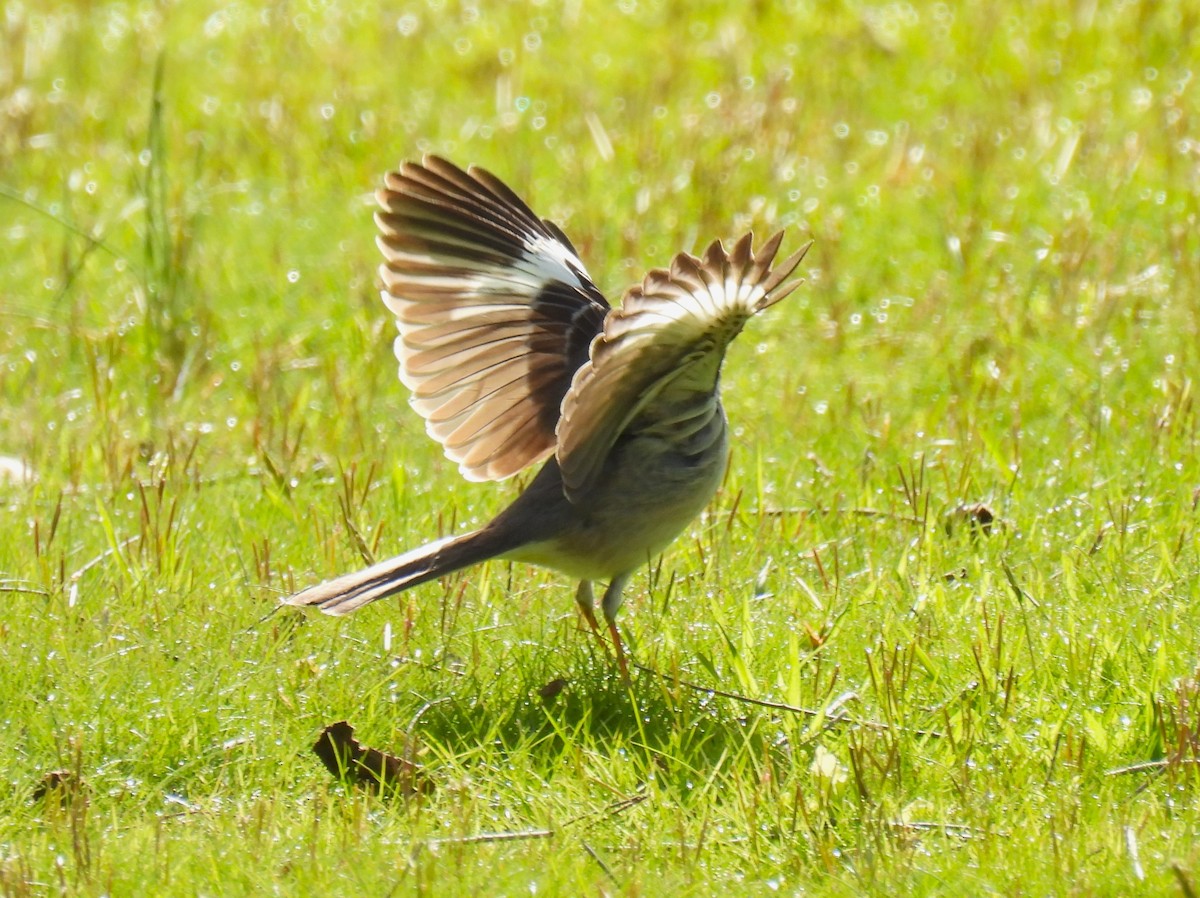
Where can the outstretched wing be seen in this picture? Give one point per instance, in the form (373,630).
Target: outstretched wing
(495,313)
(672,329)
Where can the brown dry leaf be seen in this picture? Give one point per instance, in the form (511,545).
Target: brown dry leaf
(978,519)
(347,759)
(61,786)
(550,691)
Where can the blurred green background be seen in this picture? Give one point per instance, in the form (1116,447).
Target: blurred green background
(199,413)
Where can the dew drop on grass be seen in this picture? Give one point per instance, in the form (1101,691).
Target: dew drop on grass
(293,276)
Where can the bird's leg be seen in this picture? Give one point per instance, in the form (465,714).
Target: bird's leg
(586,601)
(610,605)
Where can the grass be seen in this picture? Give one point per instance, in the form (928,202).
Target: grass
(1001,309)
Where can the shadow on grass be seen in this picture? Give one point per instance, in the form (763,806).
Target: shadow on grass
(656,725)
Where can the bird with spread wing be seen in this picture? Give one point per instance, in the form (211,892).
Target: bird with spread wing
(514,358)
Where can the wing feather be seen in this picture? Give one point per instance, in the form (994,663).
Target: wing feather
(670,332)
(495,312)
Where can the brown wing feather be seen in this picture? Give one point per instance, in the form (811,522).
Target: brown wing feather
(678,321)
(495,312)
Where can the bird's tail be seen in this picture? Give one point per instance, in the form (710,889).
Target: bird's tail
(349,592)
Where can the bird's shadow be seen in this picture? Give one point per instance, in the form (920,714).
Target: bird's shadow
(660,726)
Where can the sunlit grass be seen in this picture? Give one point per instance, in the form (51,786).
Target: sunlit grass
(1001,308)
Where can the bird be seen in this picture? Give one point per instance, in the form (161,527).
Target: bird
(515,358)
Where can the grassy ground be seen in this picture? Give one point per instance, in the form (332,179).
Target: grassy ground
(1002,308)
